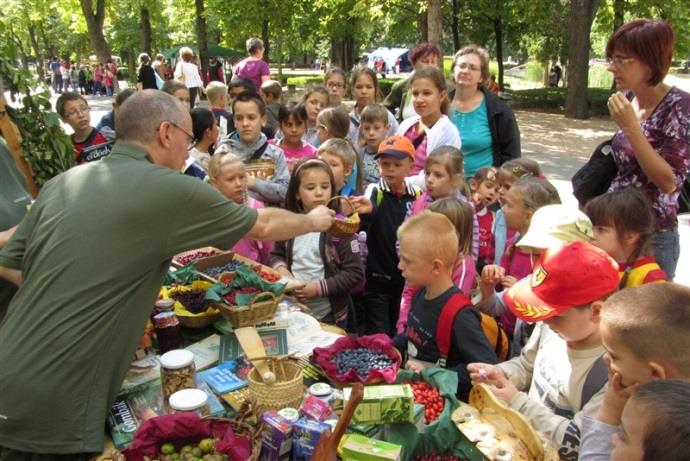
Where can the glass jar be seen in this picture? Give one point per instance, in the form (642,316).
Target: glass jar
(168,331)
(322,391)
(177,371)
(163,305)
(188,400)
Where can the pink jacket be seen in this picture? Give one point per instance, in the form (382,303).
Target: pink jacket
(255,250)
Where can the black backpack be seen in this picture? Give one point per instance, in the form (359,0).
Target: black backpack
(595,176)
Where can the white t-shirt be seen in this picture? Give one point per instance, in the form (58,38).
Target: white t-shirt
(307,266)
(190,72)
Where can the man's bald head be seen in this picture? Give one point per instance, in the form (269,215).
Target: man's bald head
(142,114)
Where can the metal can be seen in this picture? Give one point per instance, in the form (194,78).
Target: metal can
(177,371)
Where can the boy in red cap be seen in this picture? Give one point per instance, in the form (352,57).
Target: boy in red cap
(384,206)
(561,374)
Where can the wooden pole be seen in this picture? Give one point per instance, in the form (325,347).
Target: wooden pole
(11,134)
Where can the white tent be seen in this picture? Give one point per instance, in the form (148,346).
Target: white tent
(389,55)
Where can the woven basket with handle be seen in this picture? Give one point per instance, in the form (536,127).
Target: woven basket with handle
(345,227)
(257,311)
(287,391)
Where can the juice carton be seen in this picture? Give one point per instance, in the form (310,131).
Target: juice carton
(356,447)
(276,439)
(305,436)
(384,404)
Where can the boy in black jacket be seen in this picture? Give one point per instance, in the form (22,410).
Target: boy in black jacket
(430,266)
(383,208)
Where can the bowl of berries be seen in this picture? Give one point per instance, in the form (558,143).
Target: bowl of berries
(367,359)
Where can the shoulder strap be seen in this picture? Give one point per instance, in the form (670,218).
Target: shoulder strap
(259,152)
(444,327)
(354,121)
(596,377)
(419,139)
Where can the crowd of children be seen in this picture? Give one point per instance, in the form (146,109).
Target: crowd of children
(441,259)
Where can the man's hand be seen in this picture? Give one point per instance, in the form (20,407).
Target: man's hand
(494,378)
(321,218)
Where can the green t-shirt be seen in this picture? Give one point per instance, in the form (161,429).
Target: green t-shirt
(96,245)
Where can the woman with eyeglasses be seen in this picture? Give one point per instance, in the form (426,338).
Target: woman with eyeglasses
(487,126)
(335,82)
(652,146)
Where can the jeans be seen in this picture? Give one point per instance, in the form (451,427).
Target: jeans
(381,307)
(666,246)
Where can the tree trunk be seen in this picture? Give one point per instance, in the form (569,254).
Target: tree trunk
(435,23)
(423,27)
(40,64)
(146,34)
(581,17)
(498,32)
(201,40)
(455,26)
(94,26)
(265,39)
(618,14)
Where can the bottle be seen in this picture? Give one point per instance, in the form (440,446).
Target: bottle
(177,371)
(168,331)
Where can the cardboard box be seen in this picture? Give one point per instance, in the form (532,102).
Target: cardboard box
(356,447)
(392,403)
(305,435)
(276,438)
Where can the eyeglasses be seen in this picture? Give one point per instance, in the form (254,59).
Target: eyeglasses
(619,61)
(466,65)
(77,112)
(190,137)
(335,85)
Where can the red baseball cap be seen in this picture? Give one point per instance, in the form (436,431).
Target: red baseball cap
(396,146)
(576,274)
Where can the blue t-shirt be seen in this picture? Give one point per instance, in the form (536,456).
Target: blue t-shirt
(475,135)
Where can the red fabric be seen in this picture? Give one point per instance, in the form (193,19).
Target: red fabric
(378,342)
(185,428)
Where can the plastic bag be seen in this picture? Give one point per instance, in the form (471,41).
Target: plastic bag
(380,342)
(441,436)
(182,429)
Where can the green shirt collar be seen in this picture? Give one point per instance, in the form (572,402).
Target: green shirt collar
(135,151)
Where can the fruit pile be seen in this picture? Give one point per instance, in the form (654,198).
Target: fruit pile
(265,275)
(428,396)
(204,451)
(362,360)
(195,256)
(230,298)
(438,458)
(193,300)
(231,266)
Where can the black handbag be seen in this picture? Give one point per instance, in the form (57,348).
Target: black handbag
(595,176)
(684,197)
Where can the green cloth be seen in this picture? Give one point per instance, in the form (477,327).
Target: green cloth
(14,200)
(96,243)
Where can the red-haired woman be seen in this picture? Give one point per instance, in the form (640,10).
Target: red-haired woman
(399,100)
(652,146)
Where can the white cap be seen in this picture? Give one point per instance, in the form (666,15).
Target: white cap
(555,225)
(188,399)
(177,358)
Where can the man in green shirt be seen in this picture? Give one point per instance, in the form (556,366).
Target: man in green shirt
(89,259)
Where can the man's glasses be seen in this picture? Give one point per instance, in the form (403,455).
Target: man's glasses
(190,137)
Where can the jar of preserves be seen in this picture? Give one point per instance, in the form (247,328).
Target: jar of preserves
(188,400)
(177,371)
(168,331)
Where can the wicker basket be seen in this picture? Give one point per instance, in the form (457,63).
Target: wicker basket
(186,318)
(287,391)
(260,169)
(345,227)
(255,312)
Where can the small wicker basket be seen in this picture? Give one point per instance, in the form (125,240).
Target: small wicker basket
(287,391)
(255,312)
(345,227)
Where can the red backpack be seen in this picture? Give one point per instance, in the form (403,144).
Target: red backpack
(494,332)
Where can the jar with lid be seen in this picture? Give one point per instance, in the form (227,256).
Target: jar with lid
(177,371)
(188,400)
(168,331)
(163,305)
(322,391)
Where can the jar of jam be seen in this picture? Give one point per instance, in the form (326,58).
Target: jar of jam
(163,305)
(168,331)
(177,371)
(188,400)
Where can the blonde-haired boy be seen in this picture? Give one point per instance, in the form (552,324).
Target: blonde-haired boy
(430,267)
(646,333)
(217,94)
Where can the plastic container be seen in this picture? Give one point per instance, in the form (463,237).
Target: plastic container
(177,371)
(189,400)
(322,391)
(289,414)
(168,331)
